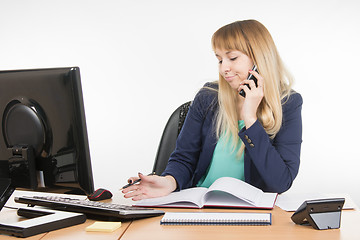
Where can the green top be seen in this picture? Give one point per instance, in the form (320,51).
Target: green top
(225,162)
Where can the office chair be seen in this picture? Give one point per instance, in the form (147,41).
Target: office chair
(169,136)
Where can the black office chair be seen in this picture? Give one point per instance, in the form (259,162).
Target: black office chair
(169,136)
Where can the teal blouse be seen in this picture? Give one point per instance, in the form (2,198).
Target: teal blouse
(225,162)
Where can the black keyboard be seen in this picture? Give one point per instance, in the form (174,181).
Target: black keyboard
(90,208)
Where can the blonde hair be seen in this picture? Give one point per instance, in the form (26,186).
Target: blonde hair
(254,40)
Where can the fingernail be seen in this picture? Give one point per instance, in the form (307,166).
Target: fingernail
(140,173)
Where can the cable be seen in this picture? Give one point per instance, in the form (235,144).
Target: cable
(11,207)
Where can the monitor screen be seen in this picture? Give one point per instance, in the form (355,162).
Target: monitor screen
(43,136)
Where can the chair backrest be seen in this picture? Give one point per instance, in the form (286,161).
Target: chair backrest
(169,136)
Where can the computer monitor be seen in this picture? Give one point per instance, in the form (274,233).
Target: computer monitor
(43,136)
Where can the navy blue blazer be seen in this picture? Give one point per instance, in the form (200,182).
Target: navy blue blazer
(269,164)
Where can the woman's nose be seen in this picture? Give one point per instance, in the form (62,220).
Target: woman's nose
(225,67)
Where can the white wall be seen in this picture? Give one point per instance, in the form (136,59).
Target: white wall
(141,59)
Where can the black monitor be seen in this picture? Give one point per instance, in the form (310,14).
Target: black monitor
(43,136)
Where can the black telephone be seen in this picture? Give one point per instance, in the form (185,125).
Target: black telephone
(250,77)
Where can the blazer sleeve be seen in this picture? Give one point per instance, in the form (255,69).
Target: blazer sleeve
(183,161)
(272,165)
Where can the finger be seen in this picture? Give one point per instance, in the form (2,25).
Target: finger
(139,194)
(149,179)
(143,177)
(251,83)
(255,73)
(132,179)
(245,88)
(143,194)
(138,197)
(131,188)
(140,175)
(132,194)
(260,80)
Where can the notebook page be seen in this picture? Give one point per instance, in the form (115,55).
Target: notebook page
(239,189)
(191,197)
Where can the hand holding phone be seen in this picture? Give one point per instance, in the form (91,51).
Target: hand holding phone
(250,77)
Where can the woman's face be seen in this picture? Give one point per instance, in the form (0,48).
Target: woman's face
(234,66)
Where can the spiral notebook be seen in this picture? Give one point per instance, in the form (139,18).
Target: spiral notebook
(215,218)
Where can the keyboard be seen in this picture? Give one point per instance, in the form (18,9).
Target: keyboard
(91,209)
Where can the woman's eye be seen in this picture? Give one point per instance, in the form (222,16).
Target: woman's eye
(220,61)
(233,59)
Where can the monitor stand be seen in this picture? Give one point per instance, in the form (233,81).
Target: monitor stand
(40,220)
(5,191)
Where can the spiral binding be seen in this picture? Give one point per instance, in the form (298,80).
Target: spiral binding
(172,220)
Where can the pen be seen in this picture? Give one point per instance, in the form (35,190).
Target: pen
(136,181)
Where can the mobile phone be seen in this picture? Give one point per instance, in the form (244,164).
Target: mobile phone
(250,77)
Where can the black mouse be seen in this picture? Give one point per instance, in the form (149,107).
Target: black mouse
(100,194)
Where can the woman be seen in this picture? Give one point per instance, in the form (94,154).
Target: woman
(256,138)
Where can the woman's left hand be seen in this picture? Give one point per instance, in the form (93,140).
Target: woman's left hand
(254,95)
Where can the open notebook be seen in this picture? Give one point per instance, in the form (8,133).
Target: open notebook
(224,192)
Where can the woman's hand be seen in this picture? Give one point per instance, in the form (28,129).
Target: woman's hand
(150,187)
(254,95)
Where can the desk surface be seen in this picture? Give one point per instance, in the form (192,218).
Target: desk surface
(282,228)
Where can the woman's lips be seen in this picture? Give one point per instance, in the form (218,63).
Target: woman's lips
(229,78)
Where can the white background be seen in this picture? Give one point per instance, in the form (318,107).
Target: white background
(140,60)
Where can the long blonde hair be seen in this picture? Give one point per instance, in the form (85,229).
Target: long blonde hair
(254,40)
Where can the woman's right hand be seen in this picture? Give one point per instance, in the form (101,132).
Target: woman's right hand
(149,187)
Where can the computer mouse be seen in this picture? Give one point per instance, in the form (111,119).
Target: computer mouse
(100,194)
